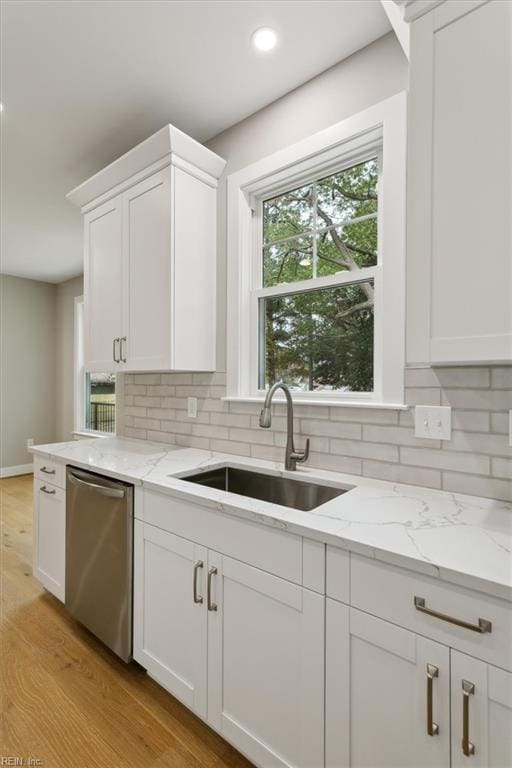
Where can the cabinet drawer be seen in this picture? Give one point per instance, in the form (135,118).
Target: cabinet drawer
(390,592)
(271,550)
(52,472)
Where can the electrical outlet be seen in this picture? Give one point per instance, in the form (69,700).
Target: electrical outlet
(30,442)
(192,407)
(434,421)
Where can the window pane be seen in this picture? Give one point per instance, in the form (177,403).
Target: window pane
(288,262)
(348,194)
(100,402)
(350,247)
(288,215)
(319,340)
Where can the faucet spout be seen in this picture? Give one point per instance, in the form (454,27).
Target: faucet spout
(291,455)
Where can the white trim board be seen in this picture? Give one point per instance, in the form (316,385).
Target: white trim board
(21,469)
(381,129)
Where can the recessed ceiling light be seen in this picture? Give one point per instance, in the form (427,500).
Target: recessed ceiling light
(264,39)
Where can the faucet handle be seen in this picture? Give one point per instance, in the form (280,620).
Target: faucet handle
(303,455)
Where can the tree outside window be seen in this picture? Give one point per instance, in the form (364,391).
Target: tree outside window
(320,336)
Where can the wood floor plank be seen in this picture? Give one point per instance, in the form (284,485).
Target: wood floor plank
(64,697)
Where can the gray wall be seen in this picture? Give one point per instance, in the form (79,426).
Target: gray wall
(64,385)
(27,366)
(376,72)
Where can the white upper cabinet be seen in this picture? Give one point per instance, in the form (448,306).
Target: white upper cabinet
(459,184)
(150,257)
(103,275)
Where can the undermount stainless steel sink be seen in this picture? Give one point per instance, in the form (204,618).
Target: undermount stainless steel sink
(297,494)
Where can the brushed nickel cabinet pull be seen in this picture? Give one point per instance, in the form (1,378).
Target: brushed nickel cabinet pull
(468,689)
(482,627)
(432,728)
(47,471)
(122,356)
(197,566)
(211,572)
(49,492)
(114,356)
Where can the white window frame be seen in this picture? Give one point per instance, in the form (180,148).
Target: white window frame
(79,373)
(378,131)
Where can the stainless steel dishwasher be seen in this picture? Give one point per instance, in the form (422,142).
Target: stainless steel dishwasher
(99,557)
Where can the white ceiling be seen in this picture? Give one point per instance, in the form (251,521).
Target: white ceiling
(83,81)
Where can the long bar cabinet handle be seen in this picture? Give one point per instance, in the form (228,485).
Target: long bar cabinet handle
(122,355)
(482,627)
(468,689)
(211,572)
(114,356)
(432,672)
(197,567)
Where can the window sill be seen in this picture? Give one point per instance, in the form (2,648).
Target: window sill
(324,402)
(80,433)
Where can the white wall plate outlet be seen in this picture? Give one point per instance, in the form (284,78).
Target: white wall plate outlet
(192,407)
(434,421)
(30,442)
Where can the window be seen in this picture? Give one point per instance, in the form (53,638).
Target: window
(316,249)
(95,393)
(319,335)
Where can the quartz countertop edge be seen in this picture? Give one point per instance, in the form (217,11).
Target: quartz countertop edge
(463,540)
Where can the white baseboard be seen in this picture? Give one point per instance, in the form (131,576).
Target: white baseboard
(21,469)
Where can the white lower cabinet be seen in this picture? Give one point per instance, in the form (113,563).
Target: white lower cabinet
(169,620)
(481,703)
(50,536)
(386,688)
(396,699)
(266,665)
(263,637)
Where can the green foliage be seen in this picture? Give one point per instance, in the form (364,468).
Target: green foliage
(322,338)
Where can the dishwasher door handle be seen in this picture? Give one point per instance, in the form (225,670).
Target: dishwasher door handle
(103,490)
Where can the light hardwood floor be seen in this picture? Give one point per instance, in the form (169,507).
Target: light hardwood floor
(66,700)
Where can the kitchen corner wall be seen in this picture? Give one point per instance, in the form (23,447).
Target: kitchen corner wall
(361,441)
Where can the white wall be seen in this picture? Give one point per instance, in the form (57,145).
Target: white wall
(376,72)
(27,367)
(64,385)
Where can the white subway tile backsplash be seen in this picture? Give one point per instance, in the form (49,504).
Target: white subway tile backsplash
(357,440)
(499,423)
(448,460)
(501,378)
(477,486)
(378,451)
(331,429)
(478,399)
(502,468)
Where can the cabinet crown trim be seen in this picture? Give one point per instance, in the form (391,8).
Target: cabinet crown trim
(168,141)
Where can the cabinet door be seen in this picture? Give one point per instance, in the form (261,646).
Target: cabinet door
(386,689)
(266,665)
(460,184)
(170,613)
(472,181)
(103,285)
(481,714)
(147,285)
(50,537)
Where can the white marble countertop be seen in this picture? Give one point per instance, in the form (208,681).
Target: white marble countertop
(461,539)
